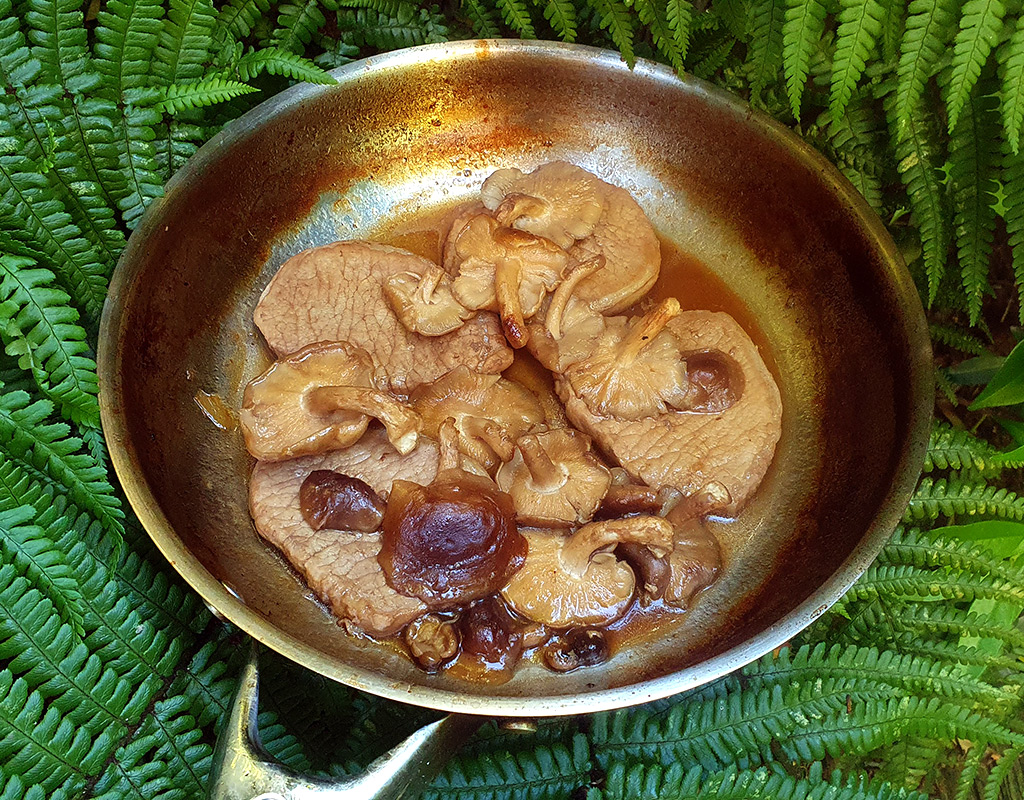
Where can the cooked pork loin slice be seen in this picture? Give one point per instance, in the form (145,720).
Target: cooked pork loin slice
(341,566)
(690,450)
(335,293)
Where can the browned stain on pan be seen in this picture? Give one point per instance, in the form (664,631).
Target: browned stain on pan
(823,280)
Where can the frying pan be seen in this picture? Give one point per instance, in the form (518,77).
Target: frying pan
(818,277)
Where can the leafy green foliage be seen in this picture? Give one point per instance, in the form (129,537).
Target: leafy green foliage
(113,676)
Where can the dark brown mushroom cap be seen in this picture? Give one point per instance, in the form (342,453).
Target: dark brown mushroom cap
(451,542)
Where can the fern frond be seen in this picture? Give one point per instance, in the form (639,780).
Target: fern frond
(881,581)
(280,62)
(908,762)
(949,448)
(137,180)
(26,194)
(972,175)
(919,151)
(58,36)
(237,18)
(408,27)
(296,24)
(651,14)
(714,55)
(616,19)
(1011,95)
(954,499)
(43,333)
(854,141)
(679,15)
(32,551)
(517,16)
(956,338)
(1012,178)
(544,771)
(804,25)
(561,15)
(926,550)
(980,24)
(930,27)
(184,43)
(482,18)
(126,36)
(26,437)
(860,23)
(734,15)
(18,66)
(940,621)
(205,92)
(767,19)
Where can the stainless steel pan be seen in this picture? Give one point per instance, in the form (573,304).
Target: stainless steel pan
(420,128)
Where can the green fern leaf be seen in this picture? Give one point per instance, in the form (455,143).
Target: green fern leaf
(1012,177)
(886,581)
(679,16)
(184,43)
(58,38)
(652,15)
(972,173)
(205,92)
(854,142)
(957,339)
(517,17)
(18,66)
(920,156)
(562,17)
(926,550)
(713,56)
(26,438)
(543,772)
(979,31)
(280,62)
(126,36)
(296,24)
(734,15)
(765,49)
(383,30)
(1011,64)
(41,215)
(481,18)
(804,25)
(237,18)
(43,333)
(136,180)
(860,23)
(615,18)
(949,448)
(929,29)
(953,499)
(892,29)
(32,551)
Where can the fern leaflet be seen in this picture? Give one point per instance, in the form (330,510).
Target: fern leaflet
(59,41)
(930,26)
(804,25)
(296,24)
(126,37)
(972,174)
(679,15)
(184,42)
(957,339)
(280,62)
(214,89)
(562,17)
(949,448)
(481,18)
(237,18)
(765,50)
(1011,61)
(615,18)
(42,332)
(954,499)
(860,23)
(517,17)
(979,31)
(1012,177)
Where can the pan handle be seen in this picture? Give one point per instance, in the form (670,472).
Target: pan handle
(242,770)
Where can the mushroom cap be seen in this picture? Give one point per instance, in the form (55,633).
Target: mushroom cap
(635,369)
(473,401)
(694,564)
(691,450)
(546,591)
(276,418)
(482,244)
(451,542)
(424,303)
(558,201)
(571,495)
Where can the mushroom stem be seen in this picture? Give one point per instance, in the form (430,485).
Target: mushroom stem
(560,298)
(401,423)
(491,434)
(448,449)
(507,277)
(545,475)
(650,325)
(654,533)
(428,283)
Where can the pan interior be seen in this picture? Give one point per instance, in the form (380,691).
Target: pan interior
(420,131)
